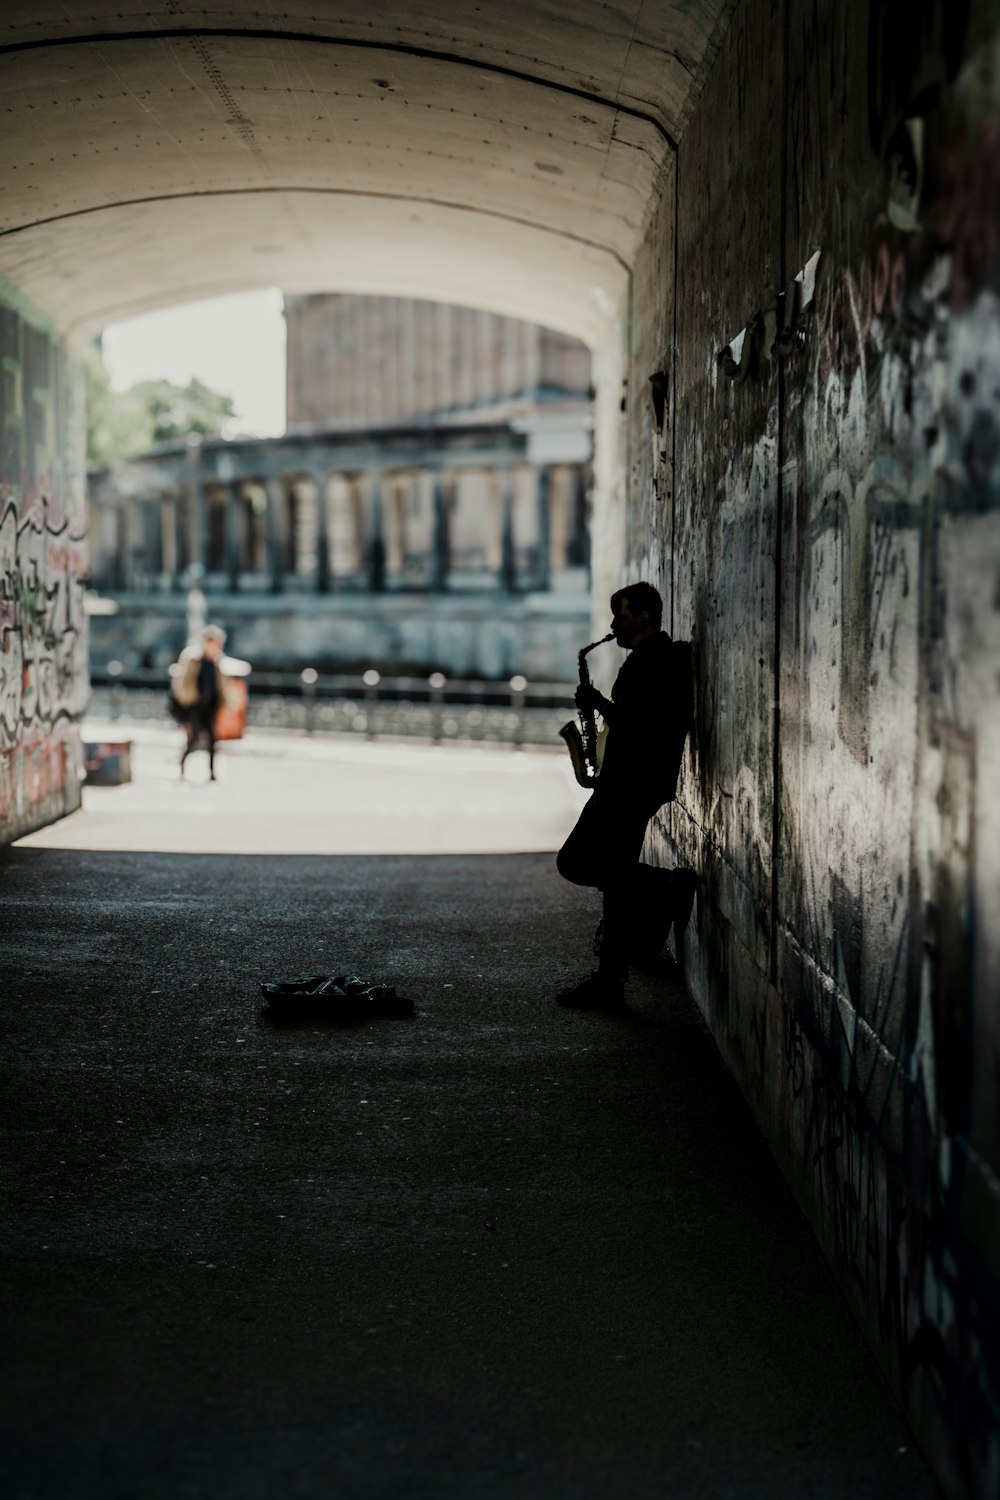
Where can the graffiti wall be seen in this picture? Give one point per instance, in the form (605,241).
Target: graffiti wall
(43,648)
(835,560)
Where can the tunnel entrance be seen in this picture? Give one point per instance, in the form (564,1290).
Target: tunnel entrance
(811,481)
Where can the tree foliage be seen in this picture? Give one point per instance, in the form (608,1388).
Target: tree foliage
(118,422)
(179,410)
(123,423)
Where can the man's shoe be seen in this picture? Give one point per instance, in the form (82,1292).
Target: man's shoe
(596,992)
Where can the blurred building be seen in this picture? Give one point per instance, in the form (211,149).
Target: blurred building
(388,361)
(430,450)
(387,364)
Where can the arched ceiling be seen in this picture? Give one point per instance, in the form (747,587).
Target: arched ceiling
(496,154)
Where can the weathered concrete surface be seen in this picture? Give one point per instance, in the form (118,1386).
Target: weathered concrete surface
(826,519)
(43,631)
(825,523)
(427,150)
(498,1250)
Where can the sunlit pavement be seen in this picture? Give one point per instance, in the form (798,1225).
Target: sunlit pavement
(285,793)
(498,1251)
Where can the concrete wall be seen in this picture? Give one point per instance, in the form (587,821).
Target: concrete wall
(43,644)
(826,529)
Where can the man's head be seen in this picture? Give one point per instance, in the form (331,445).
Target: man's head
(636,612)
(213,638)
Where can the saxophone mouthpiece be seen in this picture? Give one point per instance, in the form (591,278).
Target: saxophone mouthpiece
(594,644)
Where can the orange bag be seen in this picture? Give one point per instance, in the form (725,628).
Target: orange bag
(231,718)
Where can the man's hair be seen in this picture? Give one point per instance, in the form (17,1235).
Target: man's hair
(641,597)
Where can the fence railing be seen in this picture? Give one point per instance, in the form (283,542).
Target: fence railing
(433,706)
(435,687)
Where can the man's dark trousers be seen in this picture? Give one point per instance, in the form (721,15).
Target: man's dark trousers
(603,851)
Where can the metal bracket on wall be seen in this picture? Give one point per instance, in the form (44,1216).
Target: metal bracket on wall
(777,330)
(658,382)
(658,392)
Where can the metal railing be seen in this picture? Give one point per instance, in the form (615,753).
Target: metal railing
(432,706)
(356,685)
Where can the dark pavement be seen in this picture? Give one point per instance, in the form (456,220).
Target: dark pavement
(498,1250)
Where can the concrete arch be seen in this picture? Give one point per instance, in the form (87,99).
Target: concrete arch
(172,153)
(337,241)
(655,176)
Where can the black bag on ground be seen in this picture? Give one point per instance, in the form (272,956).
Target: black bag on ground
(338,995)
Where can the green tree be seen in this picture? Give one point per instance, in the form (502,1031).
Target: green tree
(123,423)
(119,423)
(178,410)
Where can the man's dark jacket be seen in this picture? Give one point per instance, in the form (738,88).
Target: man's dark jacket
(651,715)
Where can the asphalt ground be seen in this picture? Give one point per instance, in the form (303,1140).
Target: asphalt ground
(495,1250)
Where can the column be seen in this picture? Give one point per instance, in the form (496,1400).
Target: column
(439,536)
(375,543)
(292,517)
(508,566)
(322,536)
(152,531)
(180,542)
(341,548)
(276,534)
(558,518)
(168,538)
(394,525)
(581,523)
(303,532)
(255,521)
(490,521)
(234,534)
(542,576)
(119,568)
(356,498)
(197,515)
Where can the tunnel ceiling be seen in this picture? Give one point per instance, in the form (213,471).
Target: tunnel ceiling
(501,155)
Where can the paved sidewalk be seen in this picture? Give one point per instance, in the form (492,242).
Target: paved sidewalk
(291,793)
(496,1252)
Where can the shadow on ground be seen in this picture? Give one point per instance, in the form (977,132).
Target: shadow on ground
(498,1250)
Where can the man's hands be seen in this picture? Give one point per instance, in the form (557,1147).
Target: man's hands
(587,698)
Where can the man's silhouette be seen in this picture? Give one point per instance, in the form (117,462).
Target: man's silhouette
(648,717)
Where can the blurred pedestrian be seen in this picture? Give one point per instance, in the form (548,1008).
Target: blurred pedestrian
(197,692)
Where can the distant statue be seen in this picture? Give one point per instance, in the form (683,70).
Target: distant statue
(197,608)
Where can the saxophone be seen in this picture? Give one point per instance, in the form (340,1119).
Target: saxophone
(585,742)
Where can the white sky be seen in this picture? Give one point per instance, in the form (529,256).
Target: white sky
(234,344)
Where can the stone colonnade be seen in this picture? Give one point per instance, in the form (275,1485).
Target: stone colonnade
(292,515)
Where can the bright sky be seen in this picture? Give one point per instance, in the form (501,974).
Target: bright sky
(234,344)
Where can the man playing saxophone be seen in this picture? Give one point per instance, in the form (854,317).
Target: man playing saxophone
(647,717)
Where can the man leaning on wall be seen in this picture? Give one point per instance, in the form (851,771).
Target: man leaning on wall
(647,717)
